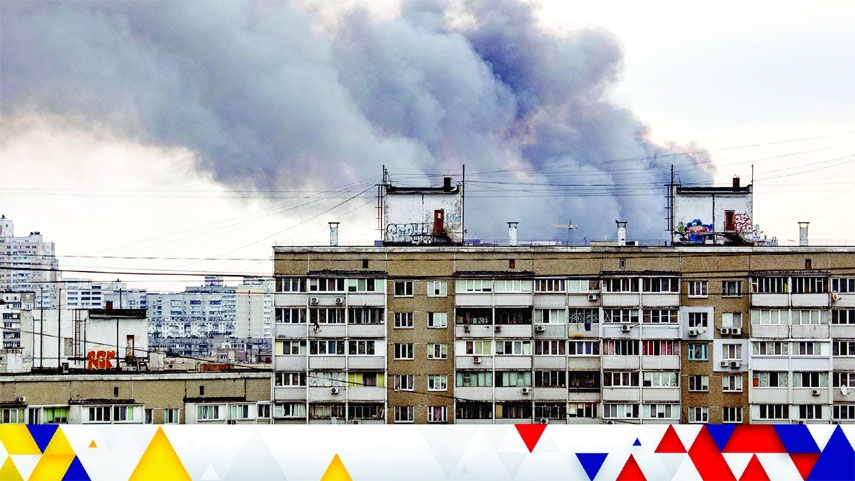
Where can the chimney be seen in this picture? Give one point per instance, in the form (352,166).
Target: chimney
(333,234)
(735,182)
(803,233)
(512,233)
(621,232)
(446,184)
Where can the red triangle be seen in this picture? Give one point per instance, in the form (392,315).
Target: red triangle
(804,462)
(670,442)
(754,471)
(707,458)
(631,471)
(530,434)
(754,438)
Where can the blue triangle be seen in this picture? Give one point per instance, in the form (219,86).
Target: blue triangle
(837,460)
(76,472)
(637,442)
(42,434)
(721,433)
(796,438)
(592,462)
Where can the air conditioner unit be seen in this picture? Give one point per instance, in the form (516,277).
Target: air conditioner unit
(526,390)
(736,331)
(724,363)
(498,328)
(724,331)
(313,301)
(21,399)
(466,328)
(693,332)
(592,297)
(815,392)
(735,364)
(476,360)
(539,329)
(231,421)
(625,328)
(334,390)
(544,421)
(339,300)
(356,421)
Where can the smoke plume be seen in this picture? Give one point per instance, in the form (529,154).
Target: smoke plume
(266,98)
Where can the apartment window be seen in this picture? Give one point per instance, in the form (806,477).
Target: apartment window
(620,348)
(843,285)
(437,351)
(290,284)
(403,320)
(361,348)
(843,348)
(662,411)
(326,285)
(583,348)
(370,379)
(207,412)
(583,285)
(589,316)
(549,285)
(437,382)
(697,288)
(621,315)
(810,285)
(326,411)
(770,379)
(290,379)
(808,317)
(549,348)
(289,410)
(474,316)
(16,415)
(54,415)
(659,348)
(290,315)
(731,288)
(239,411)
(583,380)
(844,379)
(327,379)
(326,348)
(731,320)
(403,351)
(698,319)
(660,379)
(479,348)
(474,379)
(771,348)
(620,379)
(291,348)
(437,320)
(769,285)
(549,316)
(660,284)
(843,316)
(583,410)
(550,410)
(513,348)
(512,285)
(326,315)
(550,379)
(731,383)
(621,284)
(365,315)
(807,348)
(403,289)
(773,317)
(620,411)
(474,285)
(171,416)
(404,382)
(843,412)
(513,378)
(731,415)
(731,352)
(474,410)
(437,414)
(698,352)
(773,411)
(810,411)
(513,316)
(437,289)
(403,414)
(660,316)
(810,379)
(699,383)
(365,285)
(365,411)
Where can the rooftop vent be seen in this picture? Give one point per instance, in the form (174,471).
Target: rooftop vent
(803,233)
(333,234)
(512,233)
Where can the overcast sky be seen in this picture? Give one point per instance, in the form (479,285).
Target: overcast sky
(134,132)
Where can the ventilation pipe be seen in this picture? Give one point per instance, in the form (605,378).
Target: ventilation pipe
(803,233)
(333,234)
(621,232)
(735,182)
(512,233)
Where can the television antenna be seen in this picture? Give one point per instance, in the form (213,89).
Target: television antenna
(570,228)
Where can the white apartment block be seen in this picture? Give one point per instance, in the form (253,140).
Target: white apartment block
(88,294)
(28,264)
(200,311)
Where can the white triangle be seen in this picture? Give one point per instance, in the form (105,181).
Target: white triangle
(687,433)
(510,442)
(481,461)
(737,462)
(448,450)
(671,462)
(209,474)
(779,466)
(821,433)
(26,463)
(687,471)
(513,461)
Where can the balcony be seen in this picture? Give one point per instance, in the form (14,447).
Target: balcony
(327,363)
(513,394)
(289,393)
(286,299)
(805,395)
(473,331)
(550,362)
(512,330)
(770,331)
(547,331)
(660,362)
(289,363)
(810,331)
(669,299)
(512,362)
(366,393)
(291,331)
(770,395)
(584,396)
(583,331)
(621,299)
(661,331)
(579,363)
(327,331)
(366,362)
(317,394)
(623,363)
(512,299)
(473,362)
(550,394)
(474,299)
(613,394)
(661,394)
(474,393)
(770,300)
(810,300)
(843,364)
(615,330)
(369,299)
(549,300)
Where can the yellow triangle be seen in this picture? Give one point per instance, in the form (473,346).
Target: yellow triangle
(16,438)
(159,461)
(92,444)
(59,444)
(52,466)
(336,471)
(9,472)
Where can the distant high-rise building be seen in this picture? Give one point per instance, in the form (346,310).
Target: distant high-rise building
(254,309)
(199,311)
(28,264)
(88,294)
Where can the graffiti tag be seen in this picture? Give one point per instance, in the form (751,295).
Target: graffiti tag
(742,222)
(406,232)
(99,359)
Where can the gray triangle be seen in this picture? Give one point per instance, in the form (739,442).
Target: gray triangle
(210,474)
(254,461)
(448,450)
(513,462)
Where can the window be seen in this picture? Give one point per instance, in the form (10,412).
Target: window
(583,380)
(731,288)
(843,285)
(810,285)
(437,351)
(620,348)
(549,348)
(513,316)
(239,411)
(620,411)
(773,411)
(731,352)
(771,348)
(326,348)
(289,410)
(550,410)
(513,348)
(698,352)
(769,285)
(361,348)
(404,382)
(843,316)
(807,348)
(512,285)
(365,411)
(810,379)
(55,415)
(437,382)
(549,316)
(403,414)
(659,348)
(844,379)
(660,316)
(843,348)
(474,410)
(474,316)
(474,285)
(731,383)
(731,415)
(479,348)
(365,285)
(583,348)
(698,320)
(582,410)
(171,416)
(770,379)
(403,351)
(513,378)
(810,411)
(731,320)
(290,379)
(550,379)
(808,317)
(662,411)
(16,415)
(621,315)
(326,315)
(403,289)
(290,315)
(774,317)
(437,289)
(699,383)
(589,316)
(843,412)
(207,412)
(403,320)
(474,379)
(620,379)
(697,288)
(290,284)
(437,320)
(437,414)
(621,284)
(326,285)
(660,284)
(583,285)
(660,379)
(365,315)
(326,411)
(549,285)
(327,379)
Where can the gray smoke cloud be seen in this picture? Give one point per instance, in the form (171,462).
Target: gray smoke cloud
(267,100)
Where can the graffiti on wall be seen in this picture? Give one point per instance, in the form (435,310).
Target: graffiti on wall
(100,359)
(742,222)
(415,232)
(694,231)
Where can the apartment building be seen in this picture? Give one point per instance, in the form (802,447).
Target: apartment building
(199,311)
(29,265)
(88,294)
